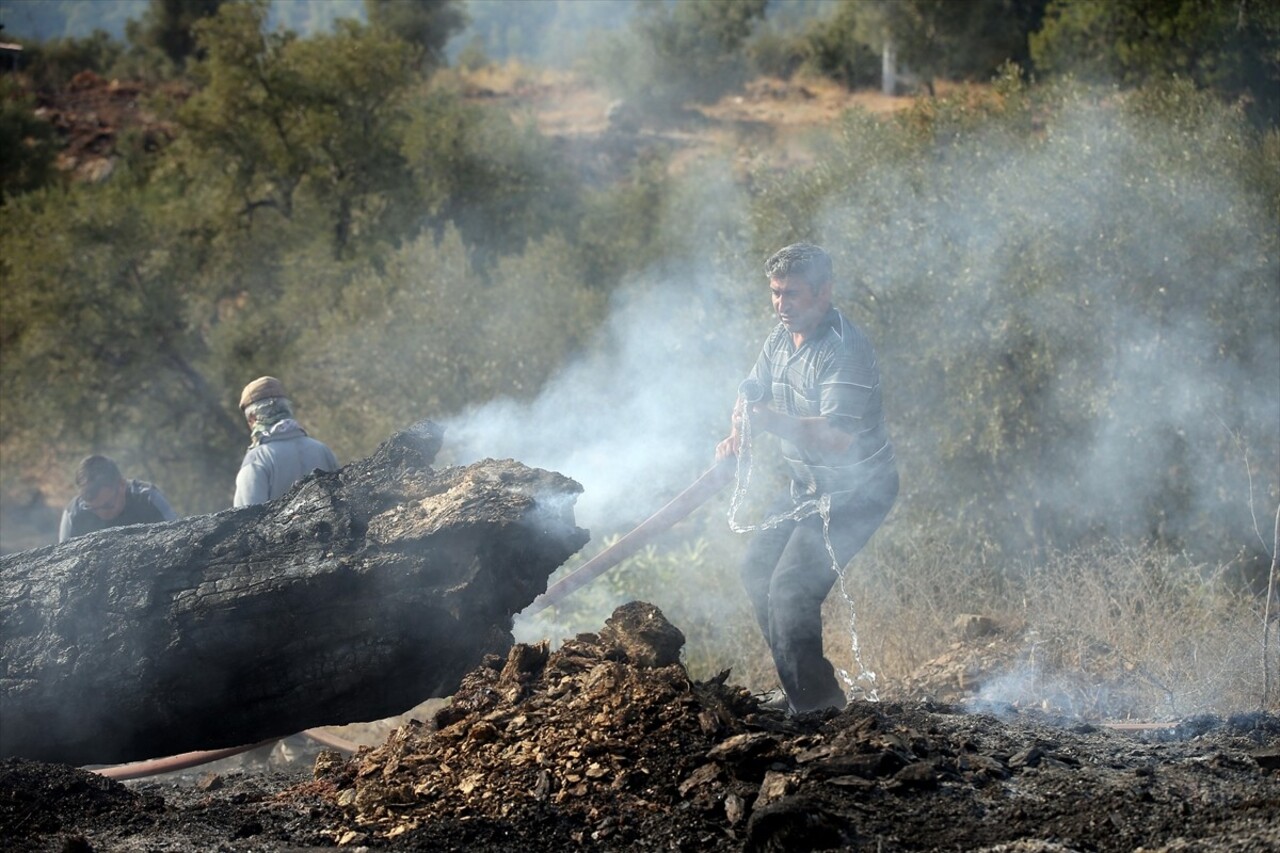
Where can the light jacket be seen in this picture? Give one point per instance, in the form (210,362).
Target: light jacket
(276,462)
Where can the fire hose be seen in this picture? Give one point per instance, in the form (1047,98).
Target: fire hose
(185,760)
(711,481)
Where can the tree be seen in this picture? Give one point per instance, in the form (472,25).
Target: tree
(103,339)
(52,64)
(1232,46)
(841,48)
(945,38)
(680,52)
(426,24)
(315,121)
(168,25)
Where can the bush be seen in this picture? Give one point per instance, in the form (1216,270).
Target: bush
(53,63)
(1231,48)
(27,145)
(417,338)
(778,55)
(840,49)
(679,53)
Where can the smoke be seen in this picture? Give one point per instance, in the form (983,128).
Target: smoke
(634,418)
(543,32)
(1076,325)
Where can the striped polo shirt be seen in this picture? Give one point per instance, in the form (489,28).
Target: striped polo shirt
(833,374)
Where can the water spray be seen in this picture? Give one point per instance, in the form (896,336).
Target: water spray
(711,481)
(752,391)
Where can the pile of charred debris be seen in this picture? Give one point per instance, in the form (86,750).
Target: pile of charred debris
(607,744)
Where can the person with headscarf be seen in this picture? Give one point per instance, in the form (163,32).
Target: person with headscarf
(280,452)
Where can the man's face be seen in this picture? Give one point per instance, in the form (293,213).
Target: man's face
(107,502)
(799,307)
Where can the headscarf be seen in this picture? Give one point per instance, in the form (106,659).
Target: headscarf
(271,415)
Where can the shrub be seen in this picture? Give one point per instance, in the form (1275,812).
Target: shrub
(52,64)
(27,148)
(678,53)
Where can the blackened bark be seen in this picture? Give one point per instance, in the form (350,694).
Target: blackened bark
(354,597)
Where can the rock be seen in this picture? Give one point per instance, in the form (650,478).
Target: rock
(646,638)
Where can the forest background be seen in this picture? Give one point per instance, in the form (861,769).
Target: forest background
(1064,240)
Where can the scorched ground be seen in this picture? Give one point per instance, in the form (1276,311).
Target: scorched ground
(606,744)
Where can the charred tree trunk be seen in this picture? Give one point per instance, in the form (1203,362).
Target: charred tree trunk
(354,597)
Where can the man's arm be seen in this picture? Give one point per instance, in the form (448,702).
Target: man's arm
(813,434)
(64,528)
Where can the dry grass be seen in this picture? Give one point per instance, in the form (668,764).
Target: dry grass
(1111,632)
(771,114)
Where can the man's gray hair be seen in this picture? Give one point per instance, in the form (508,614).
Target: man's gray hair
(805,261)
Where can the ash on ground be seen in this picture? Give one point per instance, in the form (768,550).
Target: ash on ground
(607,744)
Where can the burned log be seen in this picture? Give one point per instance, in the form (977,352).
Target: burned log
(353,597)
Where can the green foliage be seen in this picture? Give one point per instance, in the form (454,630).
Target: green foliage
(501,184)
(776,54)
(619,232)
(1227,45)
(27,149)
(1073,290)
(52,64)
(938,38)
(841,48)
(678,53)
(426,24)
(933,38)
(427,335)
(168,26)
(102,351)
(295,123)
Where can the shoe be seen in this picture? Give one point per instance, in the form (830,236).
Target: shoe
(774,700)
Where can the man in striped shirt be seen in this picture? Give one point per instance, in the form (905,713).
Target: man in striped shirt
(820,395)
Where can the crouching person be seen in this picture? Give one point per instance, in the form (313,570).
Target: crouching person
(106,499)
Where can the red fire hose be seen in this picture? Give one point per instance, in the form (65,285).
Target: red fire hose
(712,481)
(172,763)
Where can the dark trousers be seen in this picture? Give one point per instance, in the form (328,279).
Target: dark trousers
(787,574)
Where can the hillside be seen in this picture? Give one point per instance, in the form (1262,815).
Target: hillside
(92,116)
(98,121)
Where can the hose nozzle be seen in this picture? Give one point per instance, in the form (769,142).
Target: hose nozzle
(751,390)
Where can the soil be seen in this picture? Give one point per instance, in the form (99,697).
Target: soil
(92,116)
(607,744)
